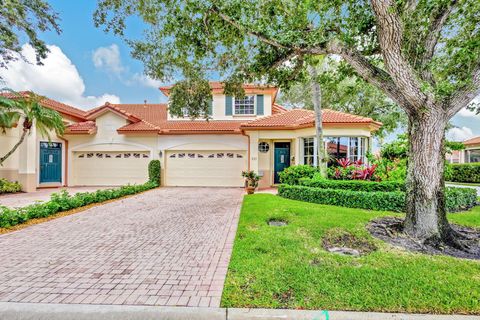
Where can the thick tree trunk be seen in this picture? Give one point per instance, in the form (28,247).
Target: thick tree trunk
(317,107)
(426,218)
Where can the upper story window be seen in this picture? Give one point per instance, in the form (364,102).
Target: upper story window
(245,105)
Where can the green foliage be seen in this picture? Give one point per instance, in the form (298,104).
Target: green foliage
(154,172)
(23,20)
(460,199)
(192,97)
(9,186)
(467,172)
(389,170)
(63,201)
(457,199)
(397,149)
(354,185)
(374,200)
(293,174)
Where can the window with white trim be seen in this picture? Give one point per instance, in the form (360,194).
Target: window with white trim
(308,151)
(245,105)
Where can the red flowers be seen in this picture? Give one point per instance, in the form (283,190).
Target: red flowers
(357,170)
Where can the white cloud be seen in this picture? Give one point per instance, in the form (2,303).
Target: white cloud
(459,134)
(58,79)
(108,58)
(146,81)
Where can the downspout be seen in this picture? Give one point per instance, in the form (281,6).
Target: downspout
(248,151)
(65,180)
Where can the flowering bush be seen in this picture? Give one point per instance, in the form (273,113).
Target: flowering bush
(348,170)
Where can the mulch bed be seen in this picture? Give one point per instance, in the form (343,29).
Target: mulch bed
(390,230)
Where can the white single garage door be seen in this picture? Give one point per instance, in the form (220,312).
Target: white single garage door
(205,168)
(110,168)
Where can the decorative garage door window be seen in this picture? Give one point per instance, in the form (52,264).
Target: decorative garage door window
(113,155)
(220,155)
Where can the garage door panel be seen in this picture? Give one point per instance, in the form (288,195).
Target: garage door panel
(206,168)
(110,168)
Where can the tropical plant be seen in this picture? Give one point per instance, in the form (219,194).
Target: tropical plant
(251,178)
(29,110)
(421,54)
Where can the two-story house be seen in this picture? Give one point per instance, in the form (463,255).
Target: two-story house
(112,144)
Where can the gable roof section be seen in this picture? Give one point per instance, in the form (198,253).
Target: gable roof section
(302,118)
(85,127)
(52,104)
(472,141)
(95,113)
(276,108)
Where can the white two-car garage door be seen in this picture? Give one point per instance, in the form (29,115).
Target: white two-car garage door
(205,168)
(110,168)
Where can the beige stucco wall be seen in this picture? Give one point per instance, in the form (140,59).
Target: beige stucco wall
(218,109)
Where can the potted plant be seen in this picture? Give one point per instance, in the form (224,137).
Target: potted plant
(251,181)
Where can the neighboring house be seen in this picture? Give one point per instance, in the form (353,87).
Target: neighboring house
(112,144)
(470,154)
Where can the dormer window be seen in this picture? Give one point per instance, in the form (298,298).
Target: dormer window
(245,105)
(185,112)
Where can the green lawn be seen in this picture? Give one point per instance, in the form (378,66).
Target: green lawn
(287,267)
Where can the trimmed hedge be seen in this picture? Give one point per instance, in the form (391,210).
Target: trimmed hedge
(457,198)
(154,172)
(9,186)
(354,185)
(465,172)
(63,201)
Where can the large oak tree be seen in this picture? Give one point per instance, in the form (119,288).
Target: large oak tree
(423,54)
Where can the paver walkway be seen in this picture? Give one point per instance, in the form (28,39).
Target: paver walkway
(23,199)
(168,246)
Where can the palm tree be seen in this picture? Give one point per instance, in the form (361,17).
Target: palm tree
(27,108)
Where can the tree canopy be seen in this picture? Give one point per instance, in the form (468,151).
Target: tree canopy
(251,40)
(20,18)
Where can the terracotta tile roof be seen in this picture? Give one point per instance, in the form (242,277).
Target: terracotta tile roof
(276,108)
(93,114)
(85,127)
(52,104)
(180,126)
(154,119)
(301,118)
(472,141)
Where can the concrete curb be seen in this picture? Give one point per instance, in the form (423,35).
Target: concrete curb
(39,311)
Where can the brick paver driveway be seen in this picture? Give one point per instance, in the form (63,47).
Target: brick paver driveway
(169,246)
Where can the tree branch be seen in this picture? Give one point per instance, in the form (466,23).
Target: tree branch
(432,37)
(463,97)
(263,38)
(371,73)
(390,36)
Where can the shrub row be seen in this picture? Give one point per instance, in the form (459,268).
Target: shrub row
(466,172)
(456,198)
(9,187)
(63,201)
(293,174)
(354,185)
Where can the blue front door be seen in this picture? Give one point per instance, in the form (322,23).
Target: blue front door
(282,158)
(50,162)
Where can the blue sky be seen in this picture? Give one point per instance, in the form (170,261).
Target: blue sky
(87,67)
